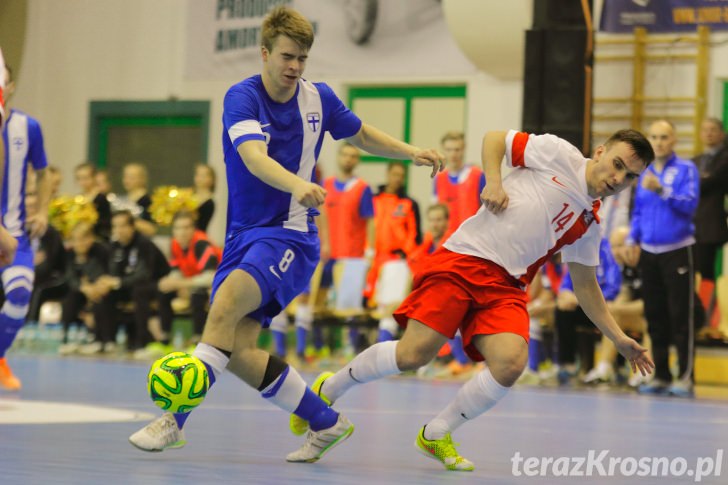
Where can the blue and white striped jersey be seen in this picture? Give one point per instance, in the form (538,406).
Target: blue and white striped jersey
(294,132)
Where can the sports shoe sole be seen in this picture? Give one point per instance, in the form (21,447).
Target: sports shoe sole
(176,444)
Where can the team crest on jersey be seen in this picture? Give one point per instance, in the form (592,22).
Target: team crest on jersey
(314,121)
(18,142)
(588,218)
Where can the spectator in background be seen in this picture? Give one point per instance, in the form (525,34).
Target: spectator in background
(396,229)
(460,185)
(204,190)
(103,185)
(50,263)
(628,310)
(135,268)
(711,230)
(86,181)
(86,262)
(137,199)
(661,239)
(193,262)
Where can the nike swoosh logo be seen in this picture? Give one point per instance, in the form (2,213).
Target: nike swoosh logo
(272,270)
(264,125)
(555,180)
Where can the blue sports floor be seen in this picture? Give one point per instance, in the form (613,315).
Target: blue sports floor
(236,437)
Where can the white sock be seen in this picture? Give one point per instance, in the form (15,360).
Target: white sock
(212,357)
(286,391)
(477,396)
(379,360)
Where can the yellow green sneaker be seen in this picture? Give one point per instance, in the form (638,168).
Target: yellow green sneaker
(299,425)
(443,450)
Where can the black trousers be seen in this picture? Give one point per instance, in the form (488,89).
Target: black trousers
(198,306)
(671,308)
(74,302)
(575,333)
(142,296)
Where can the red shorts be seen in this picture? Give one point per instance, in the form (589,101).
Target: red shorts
(466,292)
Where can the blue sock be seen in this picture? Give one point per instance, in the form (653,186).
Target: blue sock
(9,328)
(318,338)
(384,335)
(354,337)
(456,347)
(535,354)
(314,410)
(181,418)
(301,336)
(279,340)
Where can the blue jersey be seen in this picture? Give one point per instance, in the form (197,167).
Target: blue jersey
(609,276)
(23,145)
(293,132)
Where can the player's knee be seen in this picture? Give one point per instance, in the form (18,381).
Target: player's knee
(411,358)
(509,367)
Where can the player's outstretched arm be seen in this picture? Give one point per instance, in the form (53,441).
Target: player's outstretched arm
(255,156)
(592,302)
(493,196)
(377,142)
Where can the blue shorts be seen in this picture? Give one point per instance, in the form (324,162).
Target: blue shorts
(280,260)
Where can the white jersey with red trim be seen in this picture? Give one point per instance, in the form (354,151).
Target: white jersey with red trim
(549,208)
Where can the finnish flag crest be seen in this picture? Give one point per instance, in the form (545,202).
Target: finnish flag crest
(314,121)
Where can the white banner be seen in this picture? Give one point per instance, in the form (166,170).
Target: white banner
(354,38)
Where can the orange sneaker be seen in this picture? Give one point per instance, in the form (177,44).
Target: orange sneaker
(7,378)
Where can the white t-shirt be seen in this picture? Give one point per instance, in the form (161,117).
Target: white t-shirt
(548,208)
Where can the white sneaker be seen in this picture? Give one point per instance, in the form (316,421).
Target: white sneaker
(92,348)
(603,372)
(318,443)
(160,434)
(68,349)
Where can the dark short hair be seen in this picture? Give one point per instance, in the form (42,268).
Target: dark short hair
(636,140)
(125,214)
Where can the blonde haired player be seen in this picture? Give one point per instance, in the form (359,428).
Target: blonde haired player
(476,282)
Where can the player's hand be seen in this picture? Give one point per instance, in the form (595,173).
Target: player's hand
(494,198)
(631,255)
(37,225)
(636,355)
(8,246)
(309,194)
(566,301)
(167,284)
(430,158)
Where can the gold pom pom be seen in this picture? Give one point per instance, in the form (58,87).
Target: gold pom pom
(168,200)
(66,211)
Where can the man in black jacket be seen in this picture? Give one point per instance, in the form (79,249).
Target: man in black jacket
(135,268)
(711,230)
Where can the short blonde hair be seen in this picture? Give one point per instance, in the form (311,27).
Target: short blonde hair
(286,21)
(452,135)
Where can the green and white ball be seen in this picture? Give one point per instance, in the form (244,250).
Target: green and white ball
(178,382)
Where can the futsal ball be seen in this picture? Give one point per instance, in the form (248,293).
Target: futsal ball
(178,382)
